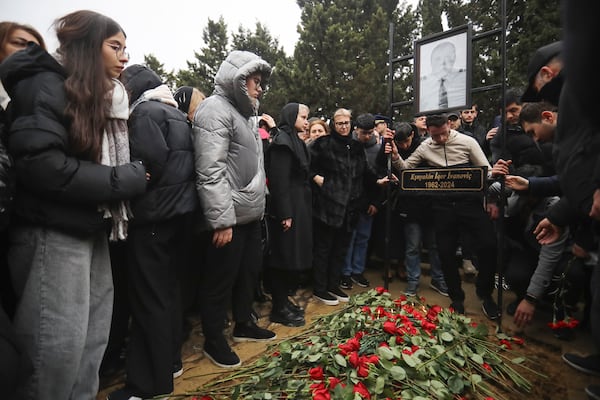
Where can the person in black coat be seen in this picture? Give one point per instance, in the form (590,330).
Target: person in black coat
(289,216)
(159,235)
(66,196)
(15,365)
(343,179)
(578,146)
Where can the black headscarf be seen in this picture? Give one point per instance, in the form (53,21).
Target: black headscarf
(287,122)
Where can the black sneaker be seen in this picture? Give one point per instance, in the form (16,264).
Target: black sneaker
(326,298)
(490,308)
(177,369)
(458,306)
(339,294)
(593,392)
(360,280)
(250,332)
(346,282)
(440,287)
(219,352)
(588,364)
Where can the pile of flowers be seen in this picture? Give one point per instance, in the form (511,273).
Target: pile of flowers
(383,348)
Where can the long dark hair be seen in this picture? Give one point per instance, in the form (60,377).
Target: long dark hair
(81,35)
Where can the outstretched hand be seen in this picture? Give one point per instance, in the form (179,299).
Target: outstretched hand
(524,313)
(546,232)
(516,182)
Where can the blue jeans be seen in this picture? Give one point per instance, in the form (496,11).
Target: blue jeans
(356,258)
(414,234)
(65,290)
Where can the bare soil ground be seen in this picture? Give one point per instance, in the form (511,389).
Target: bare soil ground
(541,348)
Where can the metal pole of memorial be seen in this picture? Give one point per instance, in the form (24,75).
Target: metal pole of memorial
(388,224)
(388,207)
(500,222)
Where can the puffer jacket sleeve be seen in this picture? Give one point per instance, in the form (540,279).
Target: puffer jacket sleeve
(43,167)
(211,138)
(38,143)
(148,144)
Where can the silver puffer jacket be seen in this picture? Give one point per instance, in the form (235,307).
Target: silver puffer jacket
(230,179)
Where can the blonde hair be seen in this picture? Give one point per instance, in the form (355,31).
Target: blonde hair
(303,107)
(342,112)
(197,98)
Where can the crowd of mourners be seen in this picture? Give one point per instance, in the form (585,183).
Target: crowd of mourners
(124,206)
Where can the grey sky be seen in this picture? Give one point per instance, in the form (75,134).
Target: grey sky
(171,30)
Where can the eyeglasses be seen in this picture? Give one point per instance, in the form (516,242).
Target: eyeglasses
(342,123)
(119,51)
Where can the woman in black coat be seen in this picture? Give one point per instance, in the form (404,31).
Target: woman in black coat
(345,184)
(289,212)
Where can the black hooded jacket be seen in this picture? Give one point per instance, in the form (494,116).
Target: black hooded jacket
(54,188)
(160,136)
(287,164)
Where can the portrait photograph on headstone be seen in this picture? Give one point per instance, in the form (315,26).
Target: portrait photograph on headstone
(443,71)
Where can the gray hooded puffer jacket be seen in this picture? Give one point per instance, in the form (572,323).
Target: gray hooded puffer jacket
(230,179)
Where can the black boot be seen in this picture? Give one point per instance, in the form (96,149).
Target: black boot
(285,315)
(295,307)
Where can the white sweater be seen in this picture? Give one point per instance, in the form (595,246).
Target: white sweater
(460,149)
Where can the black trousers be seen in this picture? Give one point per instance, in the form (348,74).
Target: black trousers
(119,326)
(330,246)
(595,306)
(230,276)
(281,282)
(156,252)
(468,217)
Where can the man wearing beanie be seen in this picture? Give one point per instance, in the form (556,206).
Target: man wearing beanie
(354,264)
(188,99)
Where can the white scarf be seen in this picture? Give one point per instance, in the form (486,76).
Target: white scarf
(161,93)
(115,151)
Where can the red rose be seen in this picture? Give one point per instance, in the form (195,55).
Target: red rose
(316,373)
(518,340)
(361,389)
(333,382)
(353,359)
(390,327)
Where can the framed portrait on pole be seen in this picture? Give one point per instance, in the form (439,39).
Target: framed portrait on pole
(443,71)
